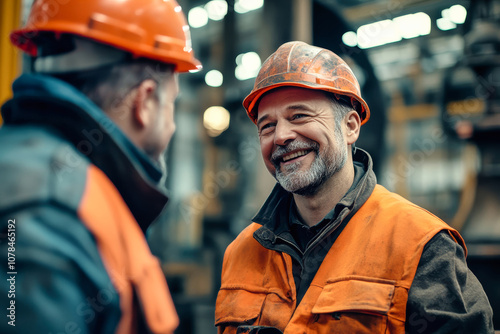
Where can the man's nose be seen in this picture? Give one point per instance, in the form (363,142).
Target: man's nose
(284,133)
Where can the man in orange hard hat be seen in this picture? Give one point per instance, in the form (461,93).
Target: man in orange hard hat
(82,166)
(331,251)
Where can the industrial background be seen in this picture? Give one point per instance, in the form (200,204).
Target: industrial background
(429,70)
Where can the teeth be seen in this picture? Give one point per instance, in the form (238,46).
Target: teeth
(294,155)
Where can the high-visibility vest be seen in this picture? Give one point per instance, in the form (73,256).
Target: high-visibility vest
(127,257)
(361,286)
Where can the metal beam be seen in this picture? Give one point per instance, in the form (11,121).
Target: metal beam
(10,17)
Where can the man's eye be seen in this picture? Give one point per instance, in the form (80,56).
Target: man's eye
(266,128)
(297,116)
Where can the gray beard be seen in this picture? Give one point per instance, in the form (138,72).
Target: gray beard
(309,182)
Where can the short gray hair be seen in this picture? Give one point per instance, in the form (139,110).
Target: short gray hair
(107,86)
(340,108)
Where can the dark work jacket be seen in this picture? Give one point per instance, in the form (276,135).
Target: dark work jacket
(445,297)
(57,151)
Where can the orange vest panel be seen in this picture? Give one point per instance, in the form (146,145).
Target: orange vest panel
(127,257)
(361,286)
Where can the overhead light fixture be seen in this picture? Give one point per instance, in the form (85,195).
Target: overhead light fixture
(413,25)
(214,78)
(248,65)
(458,14)
(216,120)
(452,16)
(197,17)
(244,6)
(350,39)
(216,9)
(389,31)
(378,33)
(445,24)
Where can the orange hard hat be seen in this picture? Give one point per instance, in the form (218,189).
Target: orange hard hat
(302,65)
(154,29)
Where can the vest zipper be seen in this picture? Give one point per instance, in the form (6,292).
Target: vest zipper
(291,244)
(340,218)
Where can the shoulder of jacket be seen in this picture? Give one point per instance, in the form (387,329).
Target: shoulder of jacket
(244,240)
(397,209)
(249,230)
(39,166)
(393,200)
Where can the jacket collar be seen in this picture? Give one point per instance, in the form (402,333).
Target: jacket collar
(47,101)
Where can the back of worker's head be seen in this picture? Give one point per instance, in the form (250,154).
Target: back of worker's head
(105,48)
(103,73)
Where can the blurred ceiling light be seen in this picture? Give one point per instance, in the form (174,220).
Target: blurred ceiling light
(197,17)
(251,60)
(244,6)
(446,13)
(216,9)
(248,65)
(389,31)
(378,33)
(238,58)
(214,78)
(350,39)
(413,25)
(445,24)
(458,14)
(452,16)
(216,120)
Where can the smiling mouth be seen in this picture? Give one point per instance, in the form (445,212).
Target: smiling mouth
(294,155)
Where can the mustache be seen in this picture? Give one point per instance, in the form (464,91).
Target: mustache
(281,151)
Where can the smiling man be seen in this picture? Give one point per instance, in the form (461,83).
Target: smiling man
(331,251)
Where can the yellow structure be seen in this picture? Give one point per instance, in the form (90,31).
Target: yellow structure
(10,17)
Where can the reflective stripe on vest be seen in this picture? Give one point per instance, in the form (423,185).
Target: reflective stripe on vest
(126,256)
(361,286)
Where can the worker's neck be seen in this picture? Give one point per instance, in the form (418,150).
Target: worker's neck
(314,208)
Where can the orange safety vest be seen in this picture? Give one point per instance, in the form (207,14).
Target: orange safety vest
(361,286)
(127,257)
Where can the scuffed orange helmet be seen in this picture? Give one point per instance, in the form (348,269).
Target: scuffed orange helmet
(302,65)
(146,28)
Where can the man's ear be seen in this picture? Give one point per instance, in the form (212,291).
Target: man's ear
(353,125)
(145,103)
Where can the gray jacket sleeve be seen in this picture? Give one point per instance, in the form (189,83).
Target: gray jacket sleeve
(445,296)
(60,284)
